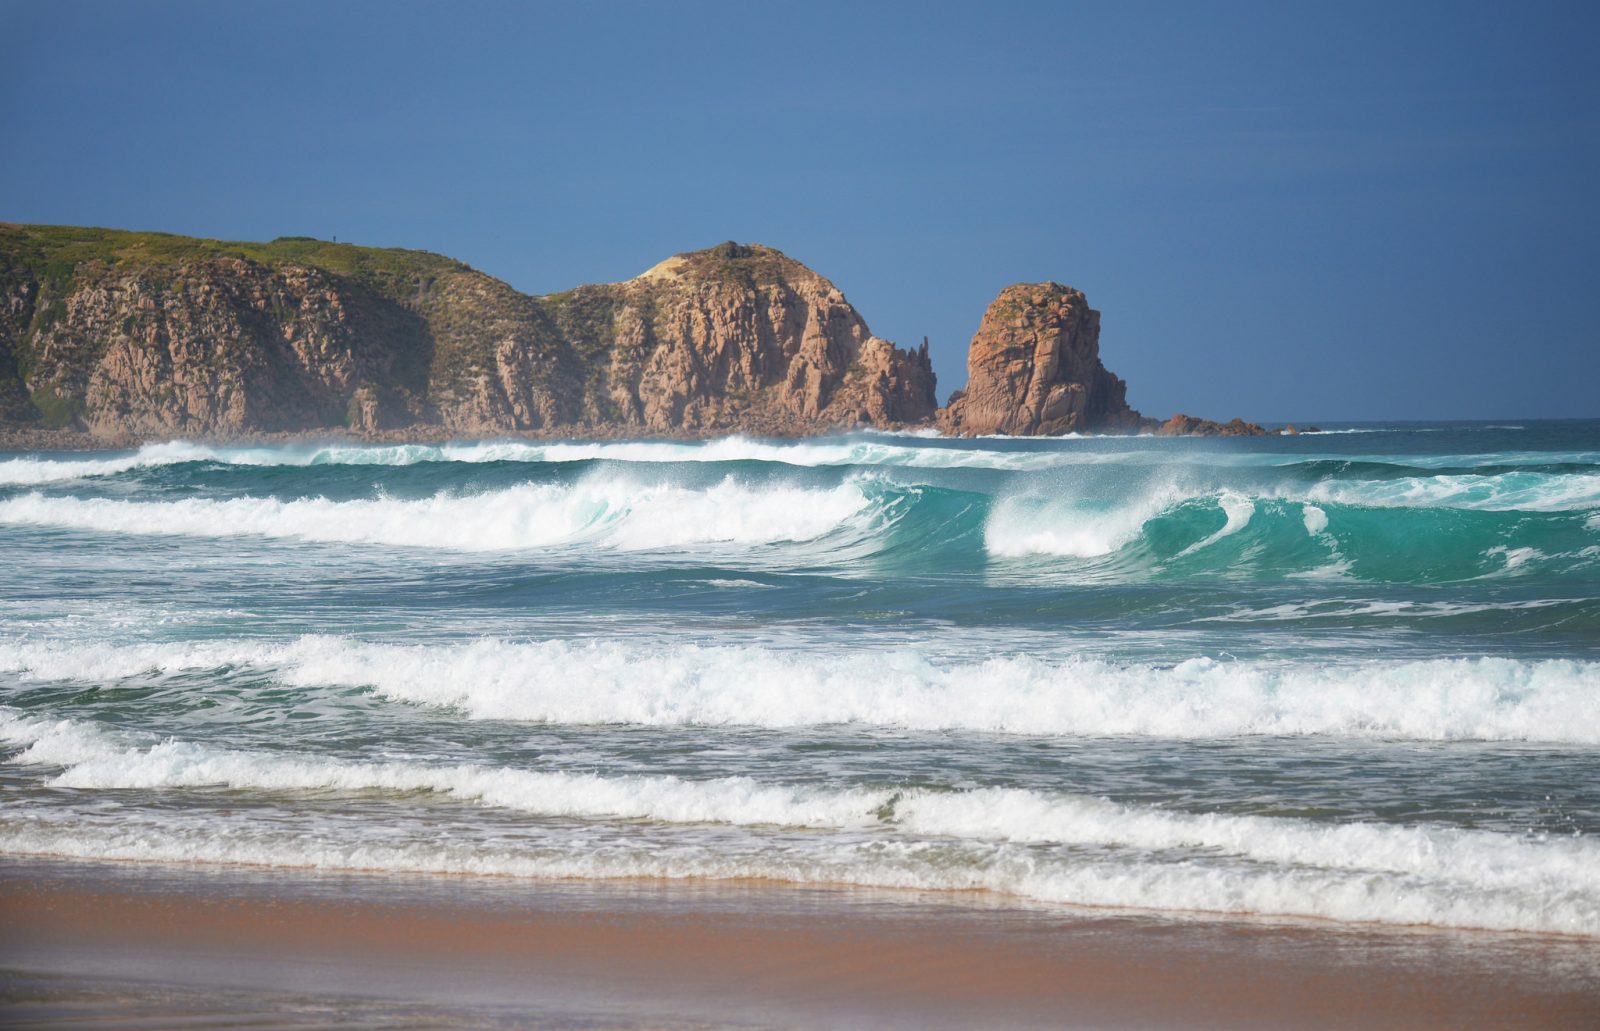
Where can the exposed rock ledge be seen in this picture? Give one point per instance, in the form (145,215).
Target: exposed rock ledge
(1181,425)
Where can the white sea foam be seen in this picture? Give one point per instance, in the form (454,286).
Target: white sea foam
(1196,886)
(1338,569)
(1347,608)
(1098,852)
(1238,511)
(866,451)
(31,471)
(604,511)
(1411,429)
(669,684)
(1343,432)
(1079,528)
(1024,525)
(1515,557)
(628,511)
(1502,492)
(1338,566)
(1078,531)
(726,449)
(1086,528)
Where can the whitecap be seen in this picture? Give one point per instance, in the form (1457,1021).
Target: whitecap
(599,511)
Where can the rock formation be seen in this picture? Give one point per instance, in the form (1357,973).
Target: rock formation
(1181,425)
(111,336)
(1034,368)
(140,334)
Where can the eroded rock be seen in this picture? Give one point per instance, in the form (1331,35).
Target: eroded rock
(1034,368)
(211,339)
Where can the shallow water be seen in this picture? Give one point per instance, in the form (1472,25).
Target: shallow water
(1352,675)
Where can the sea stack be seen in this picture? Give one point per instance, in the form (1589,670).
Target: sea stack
(1034,369)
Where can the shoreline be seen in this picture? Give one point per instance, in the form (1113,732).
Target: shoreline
(33,440)
(981,899)
(600,954)
(24,439)
(66,441)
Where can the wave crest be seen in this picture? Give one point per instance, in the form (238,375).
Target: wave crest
(608,681)
(603,511)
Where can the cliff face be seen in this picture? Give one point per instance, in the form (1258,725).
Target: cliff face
(134,334)
(220,346)
(738,338)
(1034,368)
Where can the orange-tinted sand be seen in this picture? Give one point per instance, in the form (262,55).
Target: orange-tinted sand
(843,961)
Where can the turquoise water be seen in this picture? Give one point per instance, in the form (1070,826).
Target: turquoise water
(1352,675)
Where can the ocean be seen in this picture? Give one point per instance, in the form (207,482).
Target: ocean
(1351,676)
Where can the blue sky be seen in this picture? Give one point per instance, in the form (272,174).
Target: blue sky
(1283,211)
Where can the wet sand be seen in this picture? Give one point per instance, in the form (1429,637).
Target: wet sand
(118,946)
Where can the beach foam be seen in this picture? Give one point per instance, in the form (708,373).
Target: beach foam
(1099,852)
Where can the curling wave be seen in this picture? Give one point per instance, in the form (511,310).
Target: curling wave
(1159,532)
(599,511)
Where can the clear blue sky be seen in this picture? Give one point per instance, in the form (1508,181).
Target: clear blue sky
(1283,210)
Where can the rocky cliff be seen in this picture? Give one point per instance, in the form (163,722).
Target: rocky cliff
(1034,368)
(136,334)
(114,336)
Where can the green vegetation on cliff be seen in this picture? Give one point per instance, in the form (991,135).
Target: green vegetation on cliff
(57,251)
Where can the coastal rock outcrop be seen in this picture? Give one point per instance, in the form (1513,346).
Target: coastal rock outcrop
(1181,425)
(131,334)
(743,337)
(112,336)
(1034,368)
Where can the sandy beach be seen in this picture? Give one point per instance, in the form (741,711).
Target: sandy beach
(138,946)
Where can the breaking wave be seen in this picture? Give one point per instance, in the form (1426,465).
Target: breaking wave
(1397,530)
(611,681)
(850,452)
(34,471)
(878,450)
(614,513)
